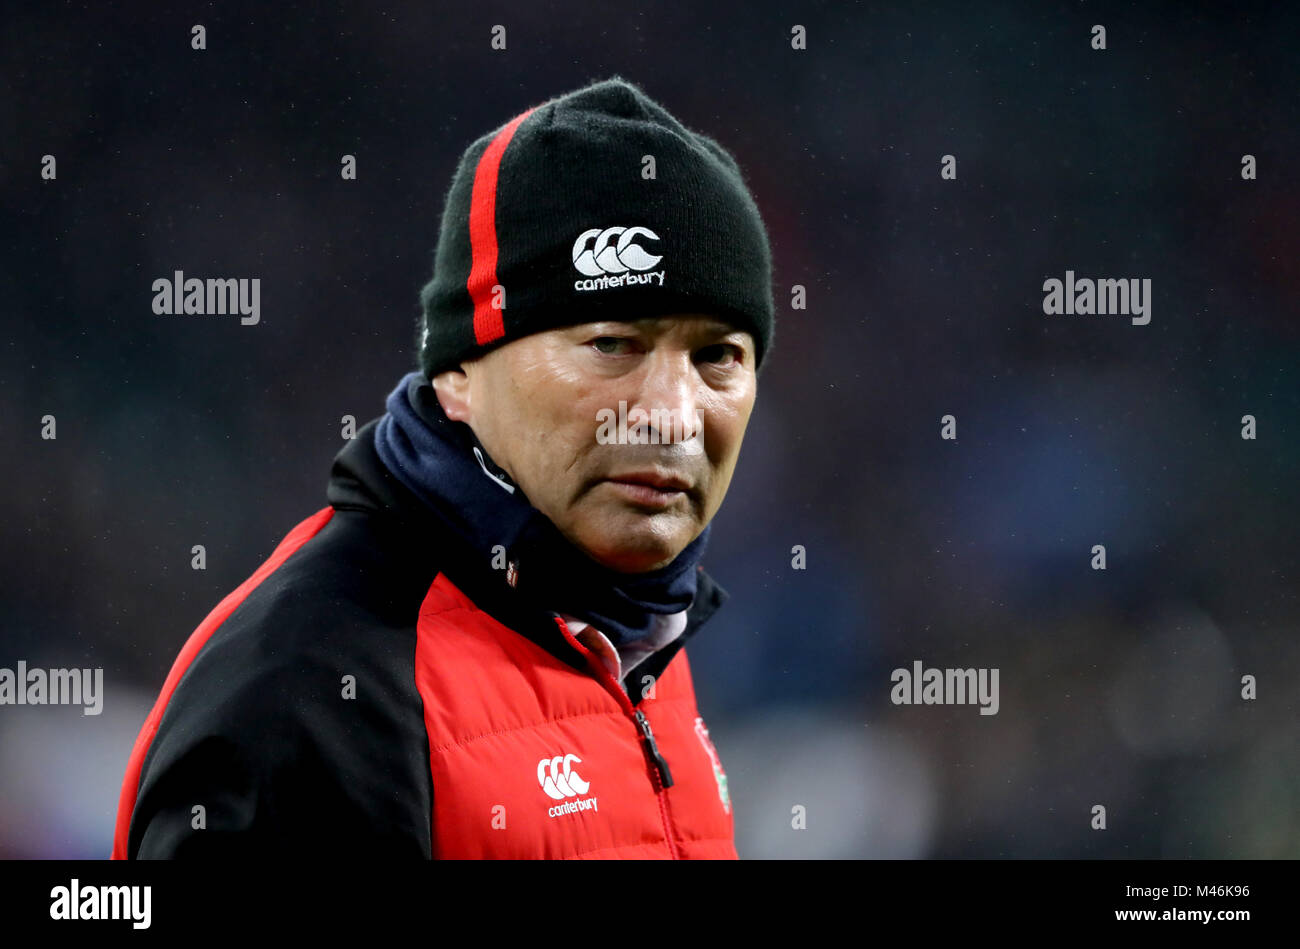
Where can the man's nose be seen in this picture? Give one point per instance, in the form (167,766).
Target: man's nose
(667,398)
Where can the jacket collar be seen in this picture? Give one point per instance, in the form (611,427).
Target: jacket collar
(360,481)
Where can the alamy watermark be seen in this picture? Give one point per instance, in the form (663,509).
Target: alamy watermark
(648,427)
(213,296)
(24,686)
(922,686)
(75,901)
(1084,296)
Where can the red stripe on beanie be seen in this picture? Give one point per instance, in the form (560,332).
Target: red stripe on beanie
(488,325)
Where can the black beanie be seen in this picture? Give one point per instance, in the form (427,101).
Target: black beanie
(554,209)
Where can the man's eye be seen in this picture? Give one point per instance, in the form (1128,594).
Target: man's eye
(721,352)
(612,342)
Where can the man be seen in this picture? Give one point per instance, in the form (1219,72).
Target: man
(476,650)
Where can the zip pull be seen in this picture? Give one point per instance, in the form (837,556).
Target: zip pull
(659,760)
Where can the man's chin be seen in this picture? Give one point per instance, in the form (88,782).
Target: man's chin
(636,545)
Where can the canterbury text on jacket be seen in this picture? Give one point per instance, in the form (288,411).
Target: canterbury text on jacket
(372,691)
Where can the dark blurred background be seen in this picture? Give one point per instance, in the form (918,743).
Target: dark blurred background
(1118,687)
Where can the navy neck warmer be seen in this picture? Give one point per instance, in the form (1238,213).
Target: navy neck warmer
(443,463)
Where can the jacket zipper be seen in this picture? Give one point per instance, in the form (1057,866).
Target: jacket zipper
(660,776)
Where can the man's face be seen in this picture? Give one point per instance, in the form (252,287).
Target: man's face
(547,409)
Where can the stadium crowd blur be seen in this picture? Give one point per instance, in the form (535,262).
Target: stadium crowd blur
(1119,687)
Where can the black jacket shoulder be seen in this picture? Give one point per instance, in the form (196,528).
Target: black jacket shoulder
(298,727)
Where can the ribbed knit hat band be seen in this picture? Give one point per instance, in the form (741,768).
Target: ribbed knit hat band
(597,205)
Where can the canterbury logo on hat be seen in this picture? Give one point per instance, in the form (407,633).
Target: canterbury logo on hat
(610,258)
(622,256)
(558,779)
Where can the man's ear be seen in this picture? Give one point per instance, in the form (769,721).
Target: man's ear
(452,389)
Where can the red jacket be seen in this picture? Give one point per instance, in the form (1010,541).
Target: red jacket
(368,692)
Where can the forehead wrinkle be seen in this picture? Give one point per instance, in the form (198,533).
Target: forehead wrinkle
(699,323)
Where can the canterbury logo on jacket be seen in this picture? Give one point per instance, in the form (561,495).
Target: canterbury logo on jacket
(370,691)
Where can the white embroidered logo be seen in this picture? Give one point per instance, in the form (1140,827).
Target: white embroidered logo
(558,779)
(624,255)
(611,255)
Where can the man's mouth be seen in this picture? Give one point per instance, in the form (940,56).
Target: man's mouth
(664,481)
(650,488)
